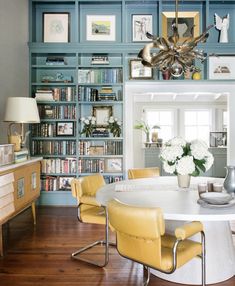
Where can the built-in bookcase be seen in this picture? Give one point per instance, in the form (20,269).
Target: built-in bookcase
(79,86)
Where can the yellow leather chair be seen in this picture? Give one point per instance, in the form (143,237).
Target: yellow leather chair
(90,211)
(143,173)
(141,237)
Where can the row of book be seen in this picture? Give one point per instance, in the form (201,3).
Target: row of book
(59,166)
(92,94)
(94,148)
(55,183)
(102,165)
(43,130)
(113,75)
(64,147)
(56,94)
(57,112)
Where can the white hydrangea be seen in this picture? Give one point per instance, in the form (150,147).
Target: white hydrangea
(111,119)
(169,168)
(185,165)
(86,121)
(198,149)
(209,160)
(179,141)
(171,153)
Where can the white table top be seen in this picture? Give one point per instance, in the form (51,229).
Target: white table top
(176,203)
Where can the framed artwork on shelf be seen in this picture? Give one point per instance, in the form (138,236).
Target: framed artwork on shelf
(141,24)
(113,165)
(96,150)
(139,71)
(188,24)
(56,27)
(100,27)
(222,67)
(65,183)
(102,114)
(65,128)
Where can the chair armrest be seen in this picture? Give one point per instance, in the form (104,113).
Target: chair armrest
(188,230)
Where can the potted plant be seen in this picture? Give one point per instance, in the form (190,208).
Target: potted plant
(89,124)
(186,159)
(115,126)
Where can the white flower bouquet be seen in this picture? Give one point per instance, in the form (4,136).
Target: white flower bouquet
(186,158)
(115,126)
(89,124)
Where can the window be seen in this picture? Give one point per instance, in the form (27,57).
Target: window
(225,120)
(164,119)
(197,124)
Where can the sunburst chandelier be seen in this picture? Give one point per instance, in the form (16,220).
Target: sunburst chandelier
(174,55)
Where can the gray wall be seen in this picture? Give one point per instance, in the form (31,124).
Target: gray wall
(14,72)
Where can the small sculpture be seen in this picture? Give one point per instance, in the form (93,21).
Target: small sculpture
(222,24)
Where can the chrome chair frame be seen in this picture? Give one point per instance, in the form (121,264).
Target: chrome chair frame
(105,243)
(174,254)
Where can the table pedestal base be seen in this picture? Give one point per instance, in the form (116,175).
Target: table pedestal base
(220,256)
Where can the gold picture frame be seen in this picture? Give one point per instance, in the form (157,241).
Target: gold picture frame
(102,114)
(189,19)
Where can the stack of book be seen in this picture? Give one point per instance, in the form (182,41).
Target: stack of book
(44,95)
(51,60)
(21,156)
(106,93)
(99,59)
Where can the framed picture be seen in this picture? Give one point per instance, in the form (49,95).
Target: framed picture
(141,24)
(222,67)
(113,165)
(65,128)
(65,183)
(102,114)
(188,24)
(139,71)
(55,27)
(100,27)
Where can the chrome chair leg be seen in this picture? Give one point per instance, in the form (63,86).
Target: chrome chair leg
(146,282)
(105,243)
(203,258)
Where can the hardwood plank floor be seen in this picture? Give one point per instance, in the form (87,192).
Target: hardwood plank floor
(40,256)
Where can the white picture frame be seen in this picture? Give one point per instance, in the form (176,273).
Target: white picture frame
(141,24)
(139,71)
(222,67)
(56,27)
(113,165)
(100,27)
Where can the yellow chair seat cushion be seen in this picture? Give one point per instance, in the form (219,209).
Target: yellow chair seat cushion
(89,200)
(186,250)
(93,215)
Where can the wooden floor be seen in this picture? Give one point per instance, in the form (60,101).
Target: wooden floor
(41,256)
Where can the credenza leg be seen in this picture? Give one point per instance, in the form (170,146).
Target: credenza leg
(1,240)
(33,212)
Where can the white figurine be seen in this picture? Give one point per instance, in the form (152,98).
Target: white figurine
(222,24)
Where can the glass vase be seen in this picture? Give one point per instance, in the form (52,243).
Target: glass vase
(183,181)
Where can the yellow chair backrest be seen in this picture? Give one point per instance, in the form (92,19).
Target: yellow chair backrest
(143,173)
(86,186)
(138,228)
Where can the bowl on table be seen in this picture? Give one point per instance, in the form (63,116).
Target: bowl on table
(216,198)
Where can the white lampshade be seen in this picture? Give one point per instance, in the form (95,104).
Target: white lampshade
(21,110)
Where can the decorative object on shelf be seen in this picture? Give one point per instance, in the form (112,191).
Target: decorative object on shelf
(65,128)
(139,71)
(6,154)
(229,182)
(143,126)
(218,139)
(196,74)
(101,27)
(154,137)
(115,126)
(222,24)
(175,54)
(222,67)
(59,77)
(141,24)
(188,73)
(65,183)
(166,74)
(113,165)
(186,158)
(99,59)
(55,27)
(89,125)
(102,114)
(21,110)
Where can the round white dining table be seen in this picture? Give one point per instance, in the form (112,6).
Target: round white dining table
(180,206)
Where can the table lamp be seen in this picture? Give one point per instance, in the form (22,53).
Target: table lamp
(20,110)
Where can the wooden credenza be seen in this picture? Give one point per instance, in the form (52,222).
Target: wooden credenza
(19,189)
